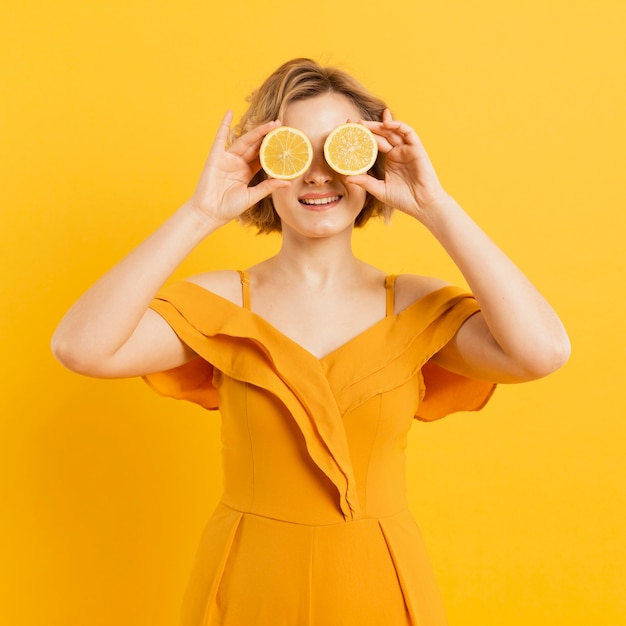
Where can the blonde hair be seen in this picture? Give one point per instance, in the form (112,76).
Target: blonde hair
(300,79)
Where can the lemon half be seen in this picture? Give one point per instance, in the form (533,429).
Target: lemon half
(351,149)
(285,153)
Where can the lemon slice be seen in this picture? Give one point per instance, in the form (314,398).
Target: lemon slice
(285,153)
(351,149)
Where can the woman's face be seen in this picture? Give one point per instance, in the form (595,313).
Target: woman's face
(319,203)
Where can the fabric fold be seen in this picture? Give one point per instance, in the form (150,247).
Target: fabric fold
(411,338)
(417,579)
(255,360)
(209,564)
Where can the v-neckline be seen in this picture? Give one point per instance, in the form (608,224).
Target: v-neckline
(388,319)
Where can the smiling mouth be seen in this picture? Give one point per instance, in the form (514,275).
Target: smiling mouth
(319,201)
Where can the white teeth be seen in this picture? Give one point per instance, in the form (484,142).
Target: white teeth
(318,201)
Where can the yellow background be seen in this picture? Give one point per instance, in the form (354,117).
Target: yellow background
(108,111)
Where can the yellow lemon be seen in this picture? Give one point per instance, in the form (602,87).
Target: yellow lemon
(351,149)
(285,153)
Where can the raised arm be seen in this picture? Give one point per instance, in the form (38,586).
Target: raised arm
(110,332)
(517,336)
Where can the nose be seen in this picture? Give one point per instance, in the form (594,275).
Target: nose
(320,172)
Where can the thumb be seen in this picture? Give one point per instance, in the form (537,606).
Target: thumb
(372,185)
(265,188)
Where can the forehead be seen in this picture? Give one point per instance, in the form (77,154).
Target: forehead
(319,115)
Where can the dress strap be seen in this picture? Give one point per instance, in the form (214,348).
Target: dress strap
(245,289)
(390,283)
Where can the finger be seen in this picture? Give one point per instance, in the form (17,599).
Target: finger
(397,133)
(384,145)
(221,136)
(224,127)
(247,146)
(394,138)
(386,137)
(265,188)
(402,130)
(392,129)
(370,184)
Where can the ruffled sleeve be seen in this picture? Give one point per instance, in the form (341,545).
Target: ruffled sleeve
(192,381)
(447,392)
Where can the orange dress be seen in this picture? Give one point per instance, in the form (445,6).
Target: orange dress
(313,527)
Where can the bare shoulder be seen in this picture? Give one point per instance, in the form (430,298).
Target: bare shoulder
(411,287)
(224,283)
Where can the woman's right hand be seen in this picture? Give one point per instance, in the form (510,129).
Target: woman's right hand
(223,191)
(110,331)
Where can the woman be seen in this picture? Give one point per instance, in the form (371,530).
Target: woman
(317,360)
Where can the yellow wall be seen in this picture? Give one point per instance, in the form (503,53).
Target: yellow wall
(108,110)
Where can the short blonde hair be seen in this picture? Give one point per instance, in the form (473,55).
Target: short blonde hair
(300,79)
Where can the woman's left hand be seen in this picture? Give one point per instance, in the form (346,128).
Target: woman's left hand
(411,184)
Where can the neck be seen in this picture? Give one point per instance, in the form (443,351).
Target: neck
(317,262)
